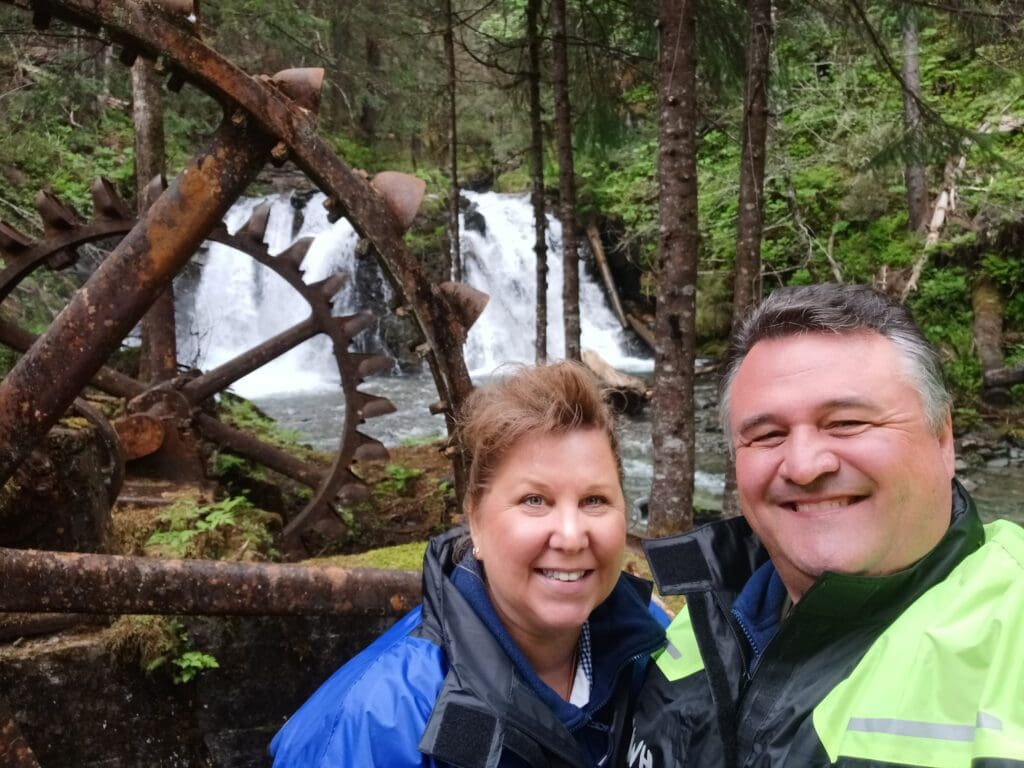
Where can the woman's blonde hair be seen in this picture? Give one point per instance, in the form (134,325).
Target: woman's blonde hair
(530,400)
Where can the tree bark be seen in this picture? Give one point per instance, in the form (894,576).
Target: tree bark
(453,154)
(914,173)
(750,221)
(159,355)
(566,182)
(540,247)
(987,306)
(672,424)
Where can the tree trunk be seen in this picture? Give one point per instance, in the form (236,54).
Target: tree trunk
(914,174)
(750,221)
(540,247)
(987,305)
(159,355)
(672,425)
(566,182)
(453,201)
(368,116)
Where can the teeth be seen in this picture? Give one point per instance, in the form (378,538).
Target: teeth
(822,506)
(564,575)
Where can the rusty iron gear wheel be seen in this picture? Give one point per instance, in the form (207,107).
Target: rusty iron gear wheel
(65,232)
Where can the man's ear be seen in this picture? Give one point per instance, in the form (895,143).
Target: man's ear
(947,446)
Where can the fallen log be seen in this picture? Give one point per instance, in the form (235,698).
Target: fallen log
(627,394)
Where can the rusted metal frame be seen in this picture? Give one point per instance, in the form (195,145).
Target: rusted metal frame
(46,380)
(129,23)
(14,750)
(62,582)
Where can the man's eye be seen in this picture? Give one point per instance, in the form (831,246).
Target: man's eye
(767,439)
(847,426)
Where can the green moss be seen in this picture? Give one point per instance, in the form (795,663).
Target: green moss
(404,557)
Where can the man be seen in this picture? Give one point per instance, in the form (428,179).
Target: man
(858,614)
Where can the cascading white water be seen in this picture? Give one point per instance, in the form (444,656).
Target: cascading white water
(502,264)
(239,303)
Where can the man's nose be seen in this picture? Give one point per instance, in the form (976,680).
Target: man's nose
(807,456)
(570,529)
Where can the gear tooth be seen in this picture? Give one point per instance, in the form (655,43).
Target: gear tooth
(370,449)
(371,364)
(331,286)
(12,242)
(176,81)
(256,227)
(352,325)
(58,217)
(354,492)
(295,253)
(465,302)
(42,15)
(155,188)
(402,192)
(370,406)
(127,56)
(106,203)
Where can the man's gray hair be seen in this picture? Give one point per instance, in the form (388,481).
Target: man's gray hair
(840,309)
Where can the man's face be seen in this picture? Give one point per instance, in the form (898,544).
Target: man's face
(836,466)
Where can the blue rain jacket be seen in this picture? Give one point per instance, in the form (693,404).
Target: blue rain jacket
(445,686)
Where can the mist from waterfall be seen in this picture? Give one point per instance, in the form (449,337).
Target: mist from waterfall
(237,303)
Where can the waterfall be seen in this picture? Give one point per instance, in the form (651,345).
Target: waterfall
(237,303)
(500,262)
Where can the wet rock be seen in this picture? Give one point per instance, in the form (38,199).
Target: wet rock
(474,221)
(58,499)
(998,463)
(77,706)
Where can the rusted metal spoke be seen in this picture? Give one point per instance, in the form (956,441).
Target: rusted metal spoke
(59,582)
(253,448)
(221,377)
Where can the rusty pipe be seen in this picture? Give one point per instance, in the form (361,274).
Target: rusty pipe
(63,582)
(47,378)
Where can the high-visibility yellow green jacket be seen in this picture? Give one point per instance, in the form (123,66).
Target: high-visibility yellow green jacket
(924,667)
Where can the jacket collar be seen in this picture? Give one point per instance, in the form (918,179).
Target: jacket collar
(510,695)
(722,556)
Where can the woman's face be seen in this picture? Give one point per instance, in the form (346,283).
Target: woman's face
(551,532)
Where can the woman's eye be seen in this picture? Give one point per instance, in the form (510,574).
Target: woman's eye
(594,501)
(533,500)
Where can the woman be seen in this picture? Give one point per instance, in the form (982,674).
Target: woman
(530,642)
